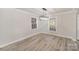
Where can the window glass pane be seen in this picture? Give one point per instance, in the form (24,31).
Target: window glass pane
(52,24)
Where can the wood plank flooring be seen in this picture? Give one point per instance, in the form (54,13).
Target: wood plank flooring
(43,42)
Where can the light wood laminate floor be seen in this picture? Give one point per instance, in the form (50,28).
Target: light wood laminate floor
(43,42)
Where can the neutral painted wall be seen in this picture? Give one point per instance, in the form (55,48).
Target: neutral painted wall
(66,25)
(43,26)
(77,26)
(15,24)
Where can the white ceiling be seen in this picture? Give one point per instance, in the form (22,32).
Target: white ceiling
(39,11)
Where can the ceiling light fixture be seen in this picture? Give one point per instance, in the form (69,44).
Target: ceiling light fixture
(44,16)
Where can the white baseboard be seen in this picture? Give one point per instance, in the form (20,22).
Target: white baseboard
(60,35)
(1,46)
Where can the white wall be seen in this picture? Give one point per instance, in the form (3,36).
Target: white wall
(14,24)
(77,26)
(66,24)
(43,26)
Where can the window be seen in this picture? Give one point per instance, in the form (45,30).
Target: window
(34,24)
(52,24)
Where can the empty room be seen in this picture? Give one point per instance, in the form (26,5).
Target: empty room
(39,29)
